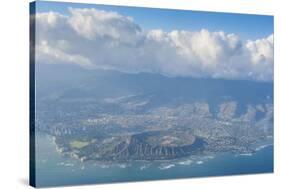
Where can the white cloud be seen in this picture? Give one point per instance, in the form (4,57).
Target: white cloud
(107,40)
(91,24)
(262,57)
(53,55)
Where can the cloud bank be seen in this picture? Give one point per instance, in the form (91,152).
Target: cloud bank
(96,39)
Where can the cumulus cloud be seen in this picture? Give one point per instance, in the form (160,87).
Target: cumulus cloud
(97,39)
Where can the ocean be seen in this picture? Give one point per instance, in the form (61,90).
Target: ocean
(54,169)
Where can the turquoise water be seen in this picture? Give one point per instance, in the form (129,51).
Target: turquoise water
(53,169)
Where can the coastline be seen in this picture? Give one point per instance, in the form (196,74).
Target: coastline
(188,167)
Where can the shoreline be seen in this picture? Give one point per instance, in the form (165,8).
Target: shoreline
(195,158)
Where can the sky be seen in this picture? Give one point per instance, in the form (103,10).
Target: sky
(247,26)
(167,42)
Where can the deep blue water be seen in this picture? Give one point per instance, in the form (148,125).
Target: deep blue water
(52,169)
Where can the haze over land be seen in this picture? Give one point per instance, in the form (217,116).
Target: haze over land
(109,90)
(114,116)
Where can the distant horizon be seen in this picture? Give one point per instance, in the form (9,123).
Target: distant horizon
(149,73)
